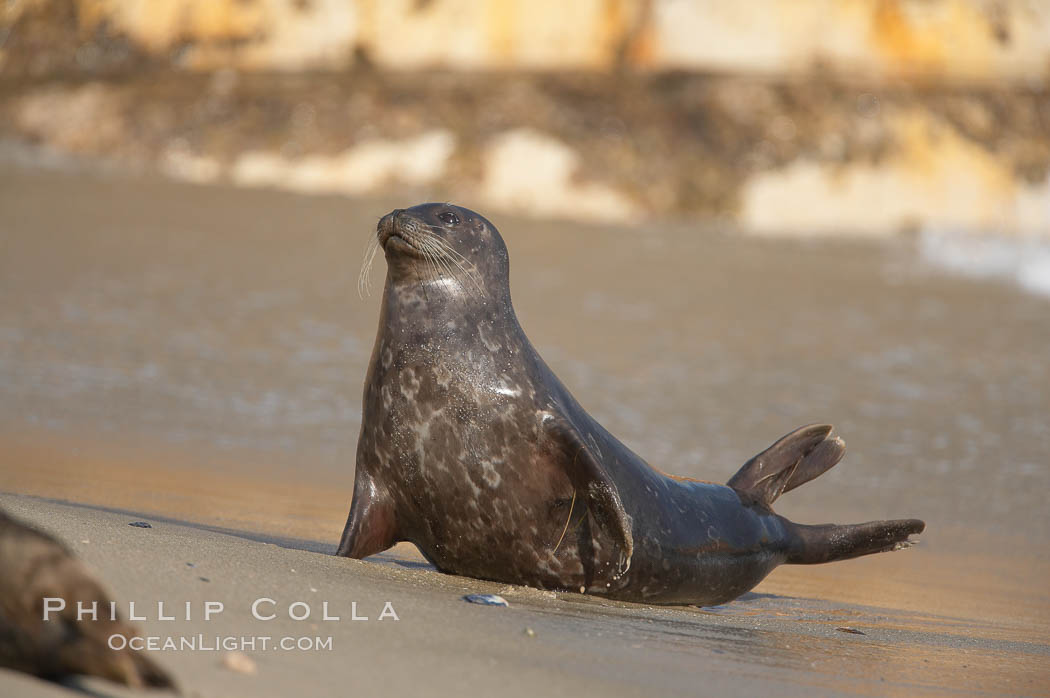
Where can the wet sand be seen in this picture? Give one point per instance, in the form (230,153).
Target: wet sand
(196,355)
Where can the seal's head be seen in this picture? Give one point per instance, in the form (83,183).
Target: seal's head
(446,246)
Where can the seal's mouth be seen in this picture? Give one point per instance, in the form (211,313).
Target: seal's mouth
(391,234)
(396,241)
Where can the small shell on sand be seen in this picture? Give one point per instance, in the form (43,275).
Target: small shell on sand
(851,631)
(486,599)
(239,662)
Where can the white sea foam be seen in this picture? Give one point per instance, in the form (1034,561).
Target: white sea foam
(1023,260)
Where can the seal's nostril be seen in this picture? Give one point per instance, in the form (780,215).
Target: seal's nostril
(395,217)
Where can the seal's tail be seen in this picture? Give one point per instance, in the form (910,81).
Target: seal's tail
(830,542)
(795,460)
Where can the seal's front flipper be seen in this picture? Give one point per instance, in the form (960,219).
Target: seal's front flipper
(371,526)
(593,483)
(793,460)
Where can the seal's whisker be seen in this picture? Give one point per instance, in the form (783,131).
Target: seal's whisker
(433,264)
(427,268)
(422,285)
(469,273)
(433,246)
(567,520)
(445,264)
(373,249)
(429,262)
(364,279)
(474,287)
(444,270)
(459,260)
(442,266)
(465,264)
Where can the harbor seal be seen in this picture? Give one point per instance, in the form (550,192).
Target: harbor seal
(58,644)
(473,450)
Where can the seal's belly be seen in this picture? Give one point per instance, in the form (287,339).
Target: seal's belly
(490,522)
(479,497)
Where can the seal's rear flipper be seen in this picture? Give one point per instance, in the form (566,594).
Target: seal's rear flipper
(830,542)
(792,461)
(593,483)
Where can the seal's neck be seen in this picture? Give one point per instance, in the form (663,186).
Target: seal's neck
(439,307)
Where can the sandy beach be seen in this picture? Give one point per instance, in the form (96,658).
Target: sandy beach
(193,358)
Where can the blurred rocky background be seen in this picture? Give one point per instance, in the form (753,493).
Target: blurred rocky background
(777,116)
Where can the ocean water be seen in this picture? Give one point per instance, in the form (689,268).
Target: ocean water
(1024,261)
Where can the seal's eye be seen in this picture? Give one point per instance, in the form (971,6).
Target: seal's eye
(448,217)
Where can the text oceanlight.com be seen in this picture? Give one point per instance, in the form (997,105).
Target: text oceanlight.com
(215,643)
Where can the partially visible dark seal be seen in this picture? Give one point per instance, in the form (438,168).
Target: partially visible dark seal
(35,566)
(472,449)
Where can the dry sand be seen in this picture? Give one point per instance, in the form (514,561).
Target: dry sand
(193,357)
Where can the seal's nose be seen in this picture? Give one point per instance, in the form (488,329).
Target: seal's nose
(387,225)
